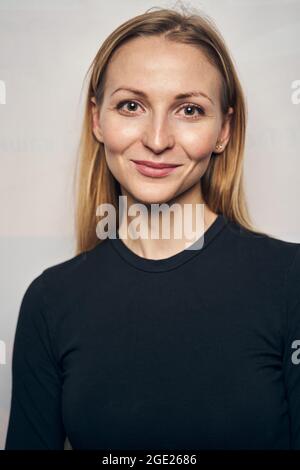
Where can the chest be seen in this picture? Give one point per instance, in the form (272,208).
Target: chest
(176,367)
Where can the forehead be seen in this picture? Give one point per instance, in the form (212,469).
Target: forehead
(156,65)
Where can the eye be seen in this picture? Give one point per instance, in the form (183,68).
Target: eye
(189,106)
(122,103)
(199,110)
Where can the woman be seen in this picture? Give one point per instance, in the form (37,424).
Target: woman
(162,343)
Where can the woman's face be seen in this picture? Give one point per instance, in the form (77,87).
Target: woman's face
(156,126)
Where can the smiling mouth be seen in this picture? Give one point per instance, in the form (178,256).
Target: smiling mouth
(154,172)
(156,164)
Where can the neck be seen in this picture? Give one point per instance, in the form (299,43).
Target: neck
(154,234)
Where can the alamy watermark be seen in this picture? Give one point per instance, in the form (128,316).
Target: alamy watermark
(161,227)
(2,352)
(295,97)
(2,92)
(296,354)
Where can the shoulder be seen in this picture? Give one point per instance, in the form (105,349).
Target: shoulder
(75,272)
(263,247)
(62,285)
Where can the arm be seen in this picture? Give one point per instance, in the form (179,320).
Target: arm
(291,362)
(35,420)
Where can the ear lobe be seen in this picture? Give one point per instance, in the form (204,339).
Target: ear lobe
(226,129)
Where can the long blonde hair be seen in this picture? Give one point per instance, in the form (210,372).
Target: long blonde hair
(222,184)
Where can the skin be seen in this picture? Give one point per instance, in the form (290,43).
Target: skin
(161,129)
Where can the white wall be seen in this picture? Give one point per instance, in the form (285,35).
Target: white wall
(46,48)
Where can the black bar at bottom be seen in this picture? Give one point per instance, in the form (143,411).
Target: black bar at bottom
(138,458)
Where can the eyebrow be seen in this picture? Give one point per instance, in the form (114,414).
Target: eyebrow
(183,96)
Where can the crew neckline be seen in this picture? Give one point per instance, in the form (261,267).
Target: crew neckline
(165,264)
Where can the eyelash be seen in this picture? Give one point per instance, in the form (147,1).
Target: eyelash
(201,111)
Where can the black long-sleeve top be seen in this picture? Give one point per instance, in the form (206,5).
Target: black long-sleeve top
(200,350)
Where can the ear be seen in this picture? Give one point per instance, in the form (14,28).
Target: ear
(224,134)
(95,110)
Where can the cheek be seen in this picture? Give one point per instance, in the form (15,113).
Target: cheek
(117,138)
(199,145)
(118,134)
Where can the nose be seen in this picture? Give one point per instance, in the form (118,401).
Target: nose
(158,136)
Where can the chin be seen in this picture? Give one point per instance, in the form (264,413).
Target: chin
(153,196)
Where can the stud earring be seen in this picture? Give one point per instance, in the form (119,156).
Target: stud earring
(219,146)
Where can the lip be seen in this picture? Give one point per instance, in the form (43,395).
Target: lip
(156,164)
(154,172)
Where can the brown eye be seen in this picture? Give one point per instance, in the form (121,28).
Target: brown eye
(191,107)
(132,106)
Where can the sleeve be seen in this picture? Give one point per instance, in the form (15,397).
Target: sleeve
(35,420)
(291,364)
